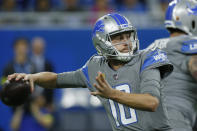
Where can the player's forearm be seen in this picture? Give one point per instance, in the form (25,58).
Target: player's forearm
(71,79)
(45,79)
(145,102)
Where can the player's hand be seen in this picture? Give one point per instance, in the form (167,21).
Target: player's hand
(103,87)
(22,76)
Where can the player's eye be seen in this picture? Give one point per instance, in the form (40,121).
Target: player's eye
(115,38)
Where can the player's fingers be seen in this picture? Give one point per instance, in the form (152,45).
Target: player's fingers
(102,78)
(98,79)
(28,78)
(32,85)
(98,87)
(96,93)
(20,76)
(12,76)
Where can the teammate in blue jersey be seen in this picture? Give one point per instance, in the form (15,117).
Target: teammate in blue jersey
(181,47)
(125,79)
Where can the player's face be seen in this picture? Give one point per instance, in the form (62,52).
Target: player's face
(122,42)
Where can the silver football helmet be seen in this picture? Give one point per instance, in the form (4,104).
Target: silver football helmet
(182,15)
(109,25)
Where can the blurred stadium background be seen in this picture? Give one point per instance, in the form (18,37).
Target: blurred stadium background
(65,26)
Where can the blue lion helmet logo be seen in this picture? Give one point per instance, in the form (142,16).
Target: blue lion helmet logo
(98,27)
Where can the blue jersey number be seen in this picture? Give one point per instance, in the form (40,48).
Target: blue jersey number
(121,109)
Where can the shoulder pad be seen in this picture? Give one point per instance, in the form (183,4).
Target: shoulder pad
(96,58)
(154,59)
(189,47)
(157,59)
(160,43)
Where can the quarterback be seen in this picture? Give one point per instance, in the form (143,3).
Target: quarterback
(125,79)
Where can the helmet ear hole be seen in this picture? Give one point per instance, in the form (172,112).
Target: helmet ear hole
(193,24)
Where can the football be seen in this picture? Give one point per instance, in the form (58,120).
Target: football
(15,93)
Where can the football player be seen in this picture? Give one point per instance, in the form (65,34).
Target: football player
(181,47)
(126,80)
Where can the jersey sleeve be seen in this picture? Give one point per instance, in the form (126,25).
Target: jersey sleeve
(189,46)
(70,79)
(156,59)
(78,78)
(160,44)
(150,82)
